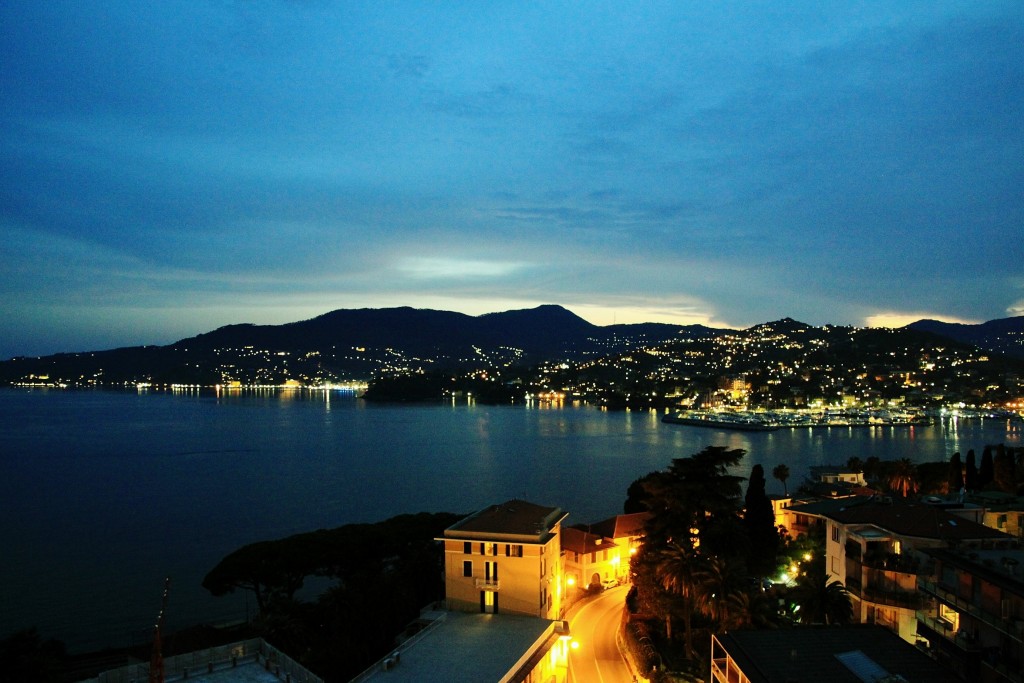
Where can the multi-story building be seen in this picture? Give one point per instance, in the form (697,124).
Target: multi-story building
(627,531)
(506,558)
(839,654)
(874,548)
(974,620)
(590,560)
(808,515)
(1002,511)
(484,648)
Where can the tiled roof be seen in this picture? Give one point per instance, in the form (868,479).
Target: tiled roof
(580,541)
(622,526)
(516,518)
(918,520)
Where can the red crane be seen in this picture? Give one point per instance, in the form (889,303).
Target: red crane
(156,662)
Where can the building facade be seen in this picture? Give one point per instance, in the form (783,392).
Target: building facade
(837,654)
(974,619)
(876,549)
(506,559)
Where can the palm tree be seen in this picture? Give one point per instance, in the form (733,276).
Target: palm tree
(781,472)
(820,600)
(720,593)
(678,572)
(903,477)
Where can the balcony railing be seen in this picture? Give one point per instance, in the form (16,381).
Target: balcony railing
(962,640)
(488,584)
(892,597)
(892,562)
(1014,628)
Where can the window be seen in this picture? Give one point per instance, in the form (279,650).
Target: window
(513,550)
(835,533)
(467,568)
(494,549)
(467,548)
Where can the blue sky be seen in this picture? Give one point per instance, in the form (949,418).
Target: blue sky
(168,168)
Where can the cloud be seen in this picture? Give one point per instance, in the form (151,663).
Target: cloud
(429,268)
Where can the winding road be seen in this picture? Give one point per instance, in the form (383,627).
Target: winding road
(595,657)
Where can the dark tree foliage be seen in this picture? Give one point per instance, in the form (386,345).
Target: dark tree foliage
(933,478)
(956,473)
(971,472)
(409,388)
(1003,469)
(272,570)
(781,472)
(693,495)
(759,521)
(986,471)
(385,573)
(695,533)
(26,658)
(873,469)
(637,495)
(821,601)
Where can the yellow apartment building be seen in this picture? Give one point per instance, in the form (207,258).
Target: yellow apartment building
(506,559)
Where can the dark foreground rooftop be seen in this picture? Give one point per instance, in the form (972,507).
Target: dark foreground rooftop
(829,653)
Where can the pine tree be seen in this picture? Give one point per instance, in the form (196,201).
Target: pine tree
(985,471)
(971,472)
(956,473)
(759,519)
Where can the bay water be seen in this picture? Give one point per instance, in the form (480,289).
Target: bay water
(104,494)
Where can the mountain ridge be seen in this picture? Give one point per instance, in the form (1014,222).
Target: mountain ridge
(351,344)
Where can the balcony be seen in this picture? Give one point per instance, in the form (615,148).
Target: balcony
(488,584)
(891,562)
(963,640)
(892,582)
(1012,627)
(892,596)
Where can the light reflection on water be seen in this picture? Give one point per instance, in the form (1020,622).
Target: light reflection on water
(104,494)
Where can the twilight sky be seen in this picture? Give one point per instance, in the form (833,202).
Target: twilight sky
(168,168)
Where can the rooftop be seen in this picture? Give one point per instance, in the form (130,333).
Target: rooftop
(621,526)
(249,661)
(467,647)
(912,519)
(518,519)
(809,654)
(580,541)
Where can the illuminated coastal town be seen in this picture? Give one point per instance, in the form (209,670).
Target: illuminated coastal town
(850,573)
(505,342)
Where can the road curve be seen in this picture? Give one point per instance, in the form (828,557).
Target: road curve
(595,657)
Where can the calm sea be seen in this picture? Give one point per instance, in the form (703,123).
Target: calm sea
(103,494)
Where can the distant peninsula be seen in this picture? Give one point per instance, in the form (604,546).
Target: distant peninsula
(549,353)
